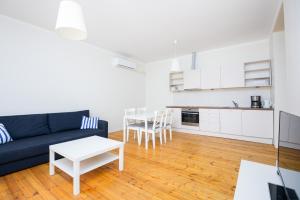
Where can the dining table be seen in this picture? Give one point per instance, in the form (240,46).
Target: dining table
(145,117)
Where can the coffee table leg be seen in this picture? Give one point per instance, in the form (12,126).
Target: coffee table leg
(121,157)
(76,178)
(51,162)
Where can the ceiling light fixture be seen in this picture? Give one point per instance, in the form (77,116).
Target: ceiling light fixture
(175,63)
(70,22)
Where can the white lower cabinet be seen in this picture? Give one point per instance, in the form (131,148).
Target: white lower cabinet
(209,120)
(257,123)
(176,114)
(231,121)
(252,125)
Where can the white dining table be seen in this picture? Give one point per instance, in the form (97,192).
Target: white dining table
(147,116)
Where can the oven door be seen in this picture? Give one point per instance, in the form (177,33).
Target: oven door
(190,118)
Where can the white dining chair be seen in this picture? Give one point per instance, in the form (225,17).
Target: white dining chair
(153,128)
(141,110)
(131,124)
(167,124)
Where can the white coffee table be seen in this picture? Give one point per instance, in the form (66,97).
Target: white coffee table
(84,155)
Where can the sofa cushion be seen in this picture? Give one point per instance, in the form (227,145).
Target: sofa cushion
(66,121)
(22,126)
(29,147)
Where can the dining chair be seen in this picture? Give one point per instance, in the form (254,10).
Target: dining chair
(131,124)
(167,124)
(153,128)
(141,110)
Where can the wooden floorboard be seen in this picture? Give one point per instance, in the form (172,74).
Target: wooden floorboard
(189,167)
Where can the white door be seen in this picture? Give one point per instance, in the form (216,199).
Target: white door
(232,74)
(210,77)
(209,120)
(176,114)
(231,121)
(192,79)
(257,123)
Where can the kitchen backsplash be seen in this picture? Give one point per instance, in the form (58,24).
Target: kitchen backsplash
(220,97)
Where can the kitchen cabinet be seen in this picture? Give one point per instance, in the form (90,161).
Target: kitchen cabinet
(232,75)
(257,123)
(231,121)
(210,77)
(192,79)
(176,114)
(209,120)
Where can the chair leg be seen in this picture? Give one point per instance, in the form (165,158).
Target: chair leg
(170,130)
(153,140)
(146,140)
(139,137)
(160,136)
(134,135)
(127,135)
(165,135)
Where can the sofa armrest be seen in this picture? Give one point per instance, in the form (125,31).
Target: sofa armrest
(103,126)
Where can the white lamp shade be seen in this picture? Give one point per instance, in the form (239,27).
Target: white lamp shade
(70,21)
(175,66)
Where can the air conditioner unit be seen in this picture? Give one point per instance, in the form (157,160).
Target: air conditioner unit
(121,62)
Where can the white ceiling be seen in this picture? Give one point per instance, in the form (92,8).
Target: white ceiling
(145,29)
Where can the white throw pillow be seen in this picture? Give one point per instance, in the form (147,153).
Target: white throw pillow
(4,135)
(89,122)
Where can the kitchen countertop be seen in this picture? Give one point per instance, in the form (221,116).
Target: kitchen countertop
(221,107)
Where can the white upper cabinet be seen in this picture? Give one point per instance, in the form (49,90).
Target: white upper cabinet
(231,121)
(210,77)
(232,74)
(192,79)
(257,123)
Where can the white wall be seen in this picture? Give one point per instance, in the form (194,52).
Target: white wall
(41,73)
(292,42)
(157,78)
(279,78)
(158,94)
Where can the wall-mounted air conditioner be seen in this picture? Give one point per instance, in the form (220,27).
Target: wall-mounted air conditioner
(121,62)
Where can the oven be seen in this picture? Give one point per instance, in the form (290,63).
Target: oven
(190,116)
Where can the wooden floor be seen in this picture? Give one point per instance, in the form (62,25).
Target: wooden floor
(189,167)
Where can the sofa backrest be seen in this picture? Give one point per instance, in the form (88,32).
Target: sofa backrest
(21,126)
(66,121)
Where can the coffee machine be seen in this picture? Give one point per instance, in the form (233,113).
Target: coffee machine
(255,101)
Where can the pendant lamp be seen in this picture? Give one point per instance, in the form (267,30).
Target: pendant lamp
(70,21)
(175,67)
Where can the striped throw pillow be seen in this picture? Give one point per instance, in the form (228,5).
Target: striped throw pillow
(89,122)
(4,135)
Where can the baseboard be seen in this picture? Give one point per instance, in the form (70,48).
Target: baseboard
(114,132)
(224,135)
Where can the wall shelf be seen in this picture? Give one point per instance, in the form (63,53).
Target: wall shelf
(258,73)
(257,70)
(176,81)
(258,78)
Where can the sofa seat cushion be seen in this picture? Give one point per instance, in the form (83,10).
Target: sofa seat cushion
(66,121)
(22,126)
(34,146)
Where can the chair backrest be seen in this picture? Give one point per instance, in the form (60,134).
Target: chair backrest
(141,110)
(168,117)
(158,119)
(129,111)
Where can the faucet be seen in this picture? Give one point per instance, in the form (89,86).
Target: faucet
(236,105)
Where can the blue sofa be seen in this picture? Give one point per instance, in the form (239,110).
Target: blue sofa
(32,135)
